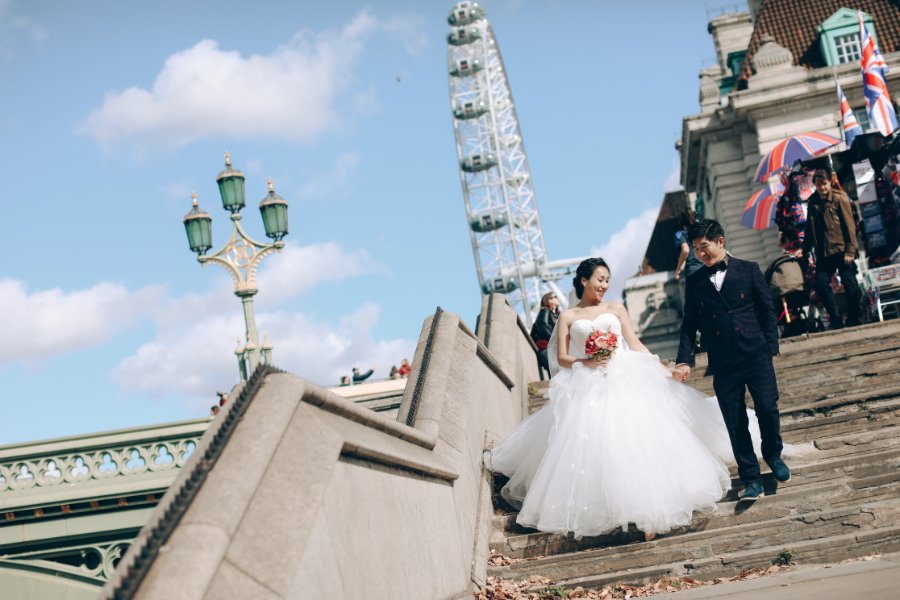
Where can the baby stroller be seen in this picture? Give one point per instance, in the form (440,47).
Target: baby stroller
(789,295)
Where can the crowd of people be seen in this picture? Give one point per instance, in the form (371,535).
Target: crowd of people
(818,230)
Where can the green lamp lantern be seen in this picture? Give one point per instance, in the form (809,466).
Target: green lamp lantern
(231,187)
(198,225)
(273,209)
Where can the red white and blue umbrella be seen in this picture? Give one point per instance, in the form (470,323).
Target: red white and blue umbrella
(790,150)
(760,210)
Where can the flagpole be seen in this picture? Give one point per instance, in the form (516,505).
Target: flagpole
(840,124)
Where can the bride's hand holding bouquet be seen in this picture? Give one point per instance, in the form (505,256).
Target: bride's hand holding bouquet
(599,346)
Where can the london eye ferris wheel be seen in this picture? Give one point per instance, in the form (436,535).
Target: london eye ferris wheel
(501,210)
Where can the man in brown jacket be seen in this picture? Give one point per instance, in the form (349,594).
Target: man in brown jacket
(831,231)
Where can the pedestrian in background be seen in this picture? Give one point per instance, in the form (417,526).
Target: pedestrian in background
(831,233)
(544,325)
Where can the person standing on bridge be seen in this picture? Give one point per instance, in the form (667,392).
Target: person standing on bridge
(730,303)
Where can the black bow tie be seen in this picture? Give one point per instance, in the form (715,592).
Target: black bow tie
(719,266)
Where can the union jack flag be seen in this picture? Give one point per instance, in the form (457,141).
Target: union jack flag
(874,71)
(849,124)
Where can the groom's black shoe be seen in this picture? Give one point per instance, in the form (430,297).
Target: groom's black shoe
(752,492)
(780,471)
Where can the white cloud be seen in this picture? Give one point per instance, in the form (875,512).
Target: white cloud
(329,185)
(204,91)
(198,361)
(296,269)
(673,181)
(179,191)
(626,248)
(13,24)
(48,323)
(192,352)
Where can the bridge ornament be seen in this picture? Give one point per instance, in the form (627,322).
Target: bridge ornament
(90,563)
(84,465)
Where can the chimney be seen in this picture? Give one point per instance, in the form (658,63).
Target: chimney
(731,33)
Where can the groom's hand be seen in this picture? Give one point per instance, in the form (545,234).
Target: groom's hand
(681,372)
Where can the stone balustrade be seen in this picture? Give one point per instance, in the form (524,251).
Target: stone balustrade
(31,472)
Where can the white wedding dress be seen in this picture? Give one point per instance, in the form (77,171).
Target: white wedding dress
(615,445)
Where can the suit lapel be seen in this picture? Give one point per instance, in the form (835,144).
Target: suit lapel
(711,290)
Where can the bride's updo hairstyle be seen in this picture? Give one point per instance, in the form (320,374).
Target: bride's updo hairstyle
(586,269)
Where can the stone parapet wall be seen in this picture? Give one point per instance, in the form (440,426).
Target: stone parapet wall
(298,493)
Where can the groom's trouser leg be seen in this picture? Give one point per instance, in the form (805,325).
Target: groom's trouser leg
(730,392)
(764,391)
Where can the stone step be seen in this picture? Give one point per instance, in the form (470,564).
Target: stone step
(840,398)
(811,397)
(816,400)
(804,423)
(851,354)
(864,395)
(819,384)
(812,489)
(520,542)
(816,551)
(693,547)
(858,417)
(826,342)
(861,352)
(846,428)
(791,380)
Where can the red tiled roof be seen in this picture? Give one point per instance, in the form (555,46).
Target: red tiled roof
(794,23)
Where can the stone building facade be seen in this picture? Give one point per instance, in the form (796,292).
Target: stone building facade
(774,76)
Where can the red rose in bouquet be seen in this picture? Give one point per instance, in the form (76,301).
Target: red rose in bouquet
(600,344)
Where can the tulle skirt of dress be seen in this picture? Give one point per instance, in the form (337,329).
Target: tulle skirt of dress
(624,444)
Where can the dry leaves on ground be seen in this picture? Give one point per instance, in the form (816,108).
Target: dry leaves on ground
(498,560)
(539,588)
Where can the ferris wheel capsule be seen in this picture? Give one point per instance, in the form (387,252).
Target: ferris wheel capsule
(470,110)
(463,35)
(478,162)
(498,285)
(464,13)
(465,67)
(486,222)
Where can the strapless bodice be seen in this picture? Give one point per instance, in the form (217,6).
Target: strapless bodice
(581,329)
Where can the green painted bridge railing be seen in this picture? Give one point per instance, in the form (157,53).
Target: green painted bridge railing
(69,507)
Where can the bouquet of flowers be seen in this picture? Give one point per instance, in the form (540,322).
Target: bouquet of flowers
(600,345)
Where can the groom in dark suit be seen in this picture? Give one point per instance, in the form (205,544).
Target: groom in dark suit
(729,302)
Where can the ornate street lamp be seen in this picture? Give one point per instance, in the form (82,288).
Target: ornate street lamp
(241,255)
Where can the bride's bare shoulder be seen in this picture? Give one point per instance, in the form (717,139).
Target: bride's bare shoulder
(615,307)
(568,315)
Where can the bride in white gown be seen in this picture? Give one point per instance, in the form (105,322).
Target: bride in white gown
(620,441)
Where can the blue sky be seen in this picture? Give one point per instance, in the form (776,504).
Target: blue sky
(112,113)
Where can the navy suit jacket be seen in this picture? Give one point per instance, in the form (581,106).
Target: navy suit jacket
(738,323)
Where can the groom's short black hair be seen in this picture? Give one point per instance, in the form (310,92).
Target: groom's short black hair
(706,228)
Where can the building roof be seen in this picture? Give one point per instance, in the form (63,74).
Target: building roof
(661,253)
(794,23)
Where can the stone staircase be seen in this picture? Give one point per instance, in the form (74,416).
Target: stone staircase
(840,404)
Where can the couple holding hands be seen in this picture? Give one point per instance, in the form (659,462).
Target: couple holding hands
(622,439)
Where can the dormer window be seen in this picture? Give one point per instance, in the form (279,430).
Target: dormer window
(839,37)
(847,48)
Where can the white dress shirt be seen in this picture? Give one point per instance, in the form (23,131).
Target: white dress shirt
(718,278)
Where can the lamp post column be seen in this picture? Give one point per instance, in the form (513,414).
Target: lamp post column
(252,348)
(241,255)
